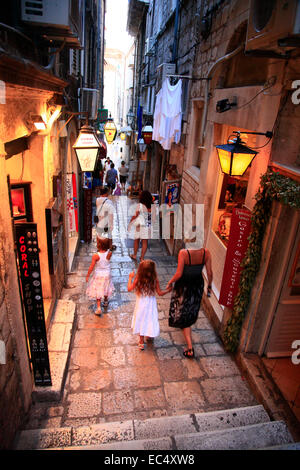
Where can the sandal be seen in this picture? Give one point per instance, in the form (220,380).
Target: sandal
(98,311)
(105,303)
(133,257)
(141,346)
(189,353)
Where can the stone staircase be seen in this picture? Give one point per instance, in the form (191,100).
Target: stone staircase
(237,429)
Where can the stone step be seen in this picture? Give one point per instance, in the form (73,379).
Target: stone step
(262,436)
(154,431)
(255,436)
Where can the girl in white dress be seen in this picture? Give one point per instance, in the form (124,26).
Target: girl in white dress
(100,284)
(145,315)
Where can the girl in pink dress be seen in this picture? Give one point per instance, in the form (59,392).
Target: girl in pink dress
(100,284)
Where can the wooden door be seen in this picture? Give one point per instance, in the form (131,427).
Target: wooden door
(285,327)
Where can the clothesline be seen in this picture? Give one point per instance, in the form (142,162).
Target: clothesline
(188,77)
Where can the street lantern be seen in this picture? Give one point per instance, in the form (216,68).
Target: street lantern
(130,117)
(142,145)
(235,157)
(110,130)
(147,134)
(87,147)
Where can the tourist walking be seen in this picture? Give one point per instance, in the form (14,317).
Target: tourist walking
(111,177)
(142,224)
(145,315)
(188,290)
(104,216)
(98,277)
(123,172)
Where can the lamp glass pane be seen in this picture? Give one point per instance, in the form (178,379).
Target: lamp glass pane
(86,140)
(240,163)
(87,158)
(224,157)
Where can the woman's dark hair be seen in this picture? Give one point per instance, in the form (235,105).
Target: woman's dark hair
(122,162)
(112,165)
(146,199)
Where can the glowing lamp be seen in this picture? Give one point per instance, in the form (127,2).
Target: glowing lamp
(235,157)
(147,134)
(87,147)
(38,122)
(110,130)
(122,135)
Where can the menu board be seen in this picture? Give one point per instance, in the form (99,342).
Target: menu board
(30,276)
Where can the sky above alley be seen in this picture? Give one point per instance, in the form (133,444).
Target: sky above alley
(115,25)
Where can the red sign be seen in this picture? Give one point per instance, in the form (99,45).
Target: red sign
(238,242)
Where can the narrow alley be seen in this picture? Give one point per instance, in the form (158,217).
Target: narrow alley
(109,379)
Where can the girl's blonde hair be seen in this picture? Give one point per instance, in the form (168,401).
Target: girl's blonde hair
(146,278)
(102,244)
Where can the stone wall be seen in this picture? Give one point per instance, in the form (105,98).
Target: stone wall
(15,379)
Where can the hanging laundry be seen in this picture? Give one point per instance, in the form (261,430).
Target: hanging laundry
(167,114)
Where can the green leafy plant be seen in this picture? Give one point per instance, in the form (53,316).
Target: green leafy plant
(273,186)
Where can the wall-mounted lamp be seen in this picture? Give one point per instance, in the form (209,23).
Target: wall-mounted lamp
(130,118)
(224,105)
(38,122)
(147,132)
(87,147)
(110,130)
(142,145)
(235,157)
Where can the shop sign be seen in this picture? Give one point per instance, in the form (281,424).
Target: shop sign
(237,245)
(32,296)
(87,210)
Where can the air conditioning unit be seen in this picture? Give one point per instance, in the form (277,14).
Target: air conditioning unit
(89,101)
(273,24)
(57,20)
(162,71)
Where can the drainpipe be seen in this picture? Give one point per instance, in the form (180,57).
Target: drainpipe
(174,52)
(210,73)
(98,45)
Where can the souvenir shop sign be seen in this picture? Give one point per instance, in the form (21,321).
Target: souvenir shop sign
(237,245)
(32,296)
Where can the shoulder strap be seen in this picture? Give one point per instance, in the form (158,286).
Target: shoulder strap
(102,205)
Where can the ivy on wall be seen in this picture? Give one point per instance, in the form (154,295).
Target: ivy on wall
(273,186)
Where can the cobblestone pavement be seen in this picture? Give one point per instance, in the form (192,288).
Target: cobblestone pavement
(110,379)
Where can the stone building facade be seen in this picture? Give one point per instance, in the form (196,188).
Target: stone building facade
(255,77)
(41,74)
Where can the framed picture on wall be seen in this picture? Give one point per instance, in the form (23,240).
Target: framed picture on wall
(171,193)
(20,193)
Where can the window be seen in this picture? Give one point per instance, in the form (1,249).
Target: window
(232,194)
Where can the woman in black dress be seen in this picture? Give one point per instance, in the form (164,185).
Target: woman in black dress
(188,290)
